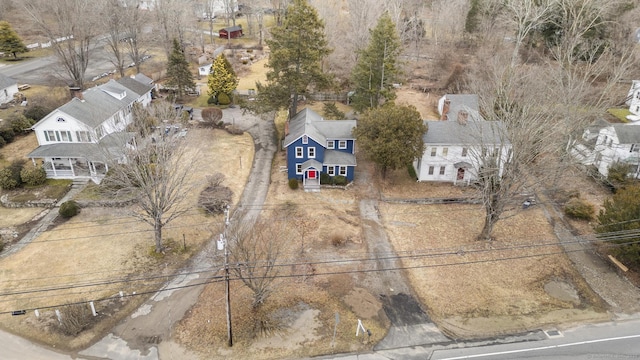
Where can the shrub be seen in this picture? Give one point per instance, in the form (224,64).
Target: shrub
(10,176)
(33,175)
(338,240)
(325,179)
(3,142)
(577,208)
(19,123)
(618,174)
(69,209)
(75,318)
(211,116)
(412,172)
(293,184)
(340,180)
(223,99)
(7,133)
(212,100)
(7,181)
(36,112)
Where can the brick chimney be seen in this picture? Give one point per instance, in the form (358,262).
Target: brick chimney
(445,109)
(463,116)
(76,92)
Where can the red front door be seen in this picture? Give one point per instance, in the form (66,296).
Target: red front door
(311,174)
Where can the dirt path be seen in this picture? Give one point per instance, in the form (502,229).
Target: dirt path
(410,324)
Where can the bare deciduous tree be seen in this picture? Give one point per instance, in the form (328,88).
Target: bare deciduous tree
(70,27)
(254,252)
(157,172)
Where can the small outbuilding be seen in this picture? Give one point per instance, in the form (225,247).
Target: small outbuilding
(230,32)
(8,88)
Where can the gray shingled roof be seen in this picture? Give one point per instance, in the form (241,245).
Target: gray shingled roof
(474,132)
(89,151)
(312,163)
(135,85)
(311,123)
(627,133)
(143,78)
(6,81)
(466,102)
(97,106)
(335,157)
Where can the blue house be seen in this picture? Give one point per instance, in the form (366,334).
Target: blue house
(315,145)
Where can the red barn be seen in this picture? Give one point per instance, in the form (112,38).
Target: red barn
(230,32)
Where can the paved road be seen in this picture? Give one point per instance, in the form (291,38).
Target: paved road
(47,71)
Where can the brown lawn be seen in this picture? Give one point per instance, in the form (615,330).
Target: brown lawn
(103,244)
(302,307)
(476,289)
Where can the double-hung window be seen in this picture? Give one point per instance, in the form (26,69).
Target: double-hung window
(342,144)
(298,169)
(311,152)
(83,136)
(431,170)
(51,135)
(445,151)
(442,170)
(434,151)
(342,171)
(331,170)
(299,152)
(331,144)
(464,151)
(65,136)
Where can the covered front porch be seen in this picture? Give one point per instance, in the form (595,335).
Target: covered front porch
(71,161)
(311,175)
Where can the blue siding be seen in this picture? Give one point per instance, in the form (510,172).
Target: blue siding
(349,149)
(292,160)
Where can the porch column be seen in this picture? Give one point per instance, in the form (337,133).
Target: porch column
(33,160)
(92,169)
(53,167)
(73,173)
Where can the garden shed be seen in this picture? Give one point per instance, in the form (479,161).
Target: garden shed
(230,32)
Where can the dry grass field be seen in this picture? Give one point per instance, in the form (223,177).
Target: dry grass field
(473,288)
(103,250)
(302,307)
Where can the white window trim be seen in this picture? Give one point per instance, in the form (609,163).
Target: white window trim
(311,152)
(331,144)
(340,142)
(305,139)
(342,171)
(298,169)
(445,151)
(434,151)
(442,170)
(431,170)
(300,150)
(331,170)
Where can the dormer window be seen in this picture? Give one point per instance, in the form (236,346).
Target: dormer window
(61,120)
(305,139)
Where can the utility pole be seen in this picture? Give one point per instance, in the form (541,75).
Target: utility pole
(226,277)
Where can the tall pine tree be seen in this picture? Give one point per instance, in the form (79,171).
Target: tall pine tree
(178,73)
(377,68)
(222,79)
(295,63)
(10,42)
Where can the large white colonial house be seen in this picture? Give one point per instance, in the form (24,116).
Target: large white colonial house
(78,139)
(459,144)
(604,144)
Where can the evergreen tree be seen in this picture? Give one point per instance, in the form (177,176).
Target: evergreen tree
(620,217)
(222,78)
(391,135)
(178,73)
(297,49)
(377,70)
(473,17)
(10,42)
